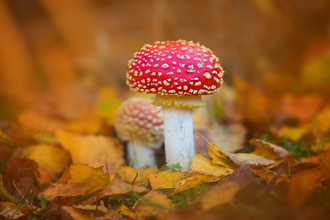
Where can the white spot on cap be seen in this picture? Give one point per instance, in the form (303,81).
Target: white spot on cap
(207,75)
(156,65)
(185,87)
(159,73)
(198,83)
(165,65)
(165,83)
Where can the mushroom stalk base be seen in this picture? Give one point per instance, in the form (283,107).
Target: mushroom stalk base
(179,136)
(143,156)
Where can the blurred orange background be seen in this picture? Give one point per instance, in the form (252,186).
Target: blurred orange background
(56,55)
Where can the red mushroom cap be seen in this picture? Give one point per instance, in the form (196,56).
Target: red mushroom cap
(139,118)
(178,68)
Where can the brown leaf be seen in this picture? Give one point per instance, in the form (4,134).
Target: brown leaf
(11,212)
(153,203)
(64,190)
(243,158)
(289,160)
(301,186)
(18,168)
(242,176)
(218,195)
(268,150)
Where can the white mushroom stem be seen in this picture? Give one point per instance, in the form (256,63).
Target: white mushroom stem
(143,156)
(178,136)
(178,127)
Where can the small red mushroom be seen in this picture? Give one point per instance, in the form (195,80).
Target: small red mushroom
(140,124)
(179,73)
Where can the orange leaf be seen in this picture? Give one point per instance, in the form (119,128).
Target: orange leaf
(153,203)
(301,186)
(218,195)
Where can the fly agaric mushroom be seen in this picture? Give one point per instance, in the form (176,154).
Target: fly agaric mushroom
(140,124)
(179,73)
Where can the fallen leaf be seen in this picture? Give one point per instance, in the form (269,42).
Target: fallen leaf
(218,195)
(301,186)
(92,149)
(49,157)
(92,178)
(243,158)
(267,175)
(11,212)
(289,159)
(153,203)
(242,176)
(191,182)
(165,179)
(64,190)
(119,188)
(268,150)
(293,133)
(4,195)
(127,212)
(218,157)
(91,208)
(139,176)
(204,165)
(18,168)
(76,214)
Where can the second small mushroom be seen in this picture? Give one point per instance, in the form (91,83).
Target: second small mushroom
(140,124)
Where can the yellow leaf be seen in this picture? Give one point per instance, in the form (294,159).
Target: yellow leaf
(268,150)
(153,203)
(91,208)
(204,165)
(4,192)
(269,176)
(92,149)
(289,159)
(93,178)
(165,179)
(119,188)
(127,212)
(321,122)
(293,133)
(251,159)
(139,176)
(218,195)
(43,154)
(217,155)
(191,182)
